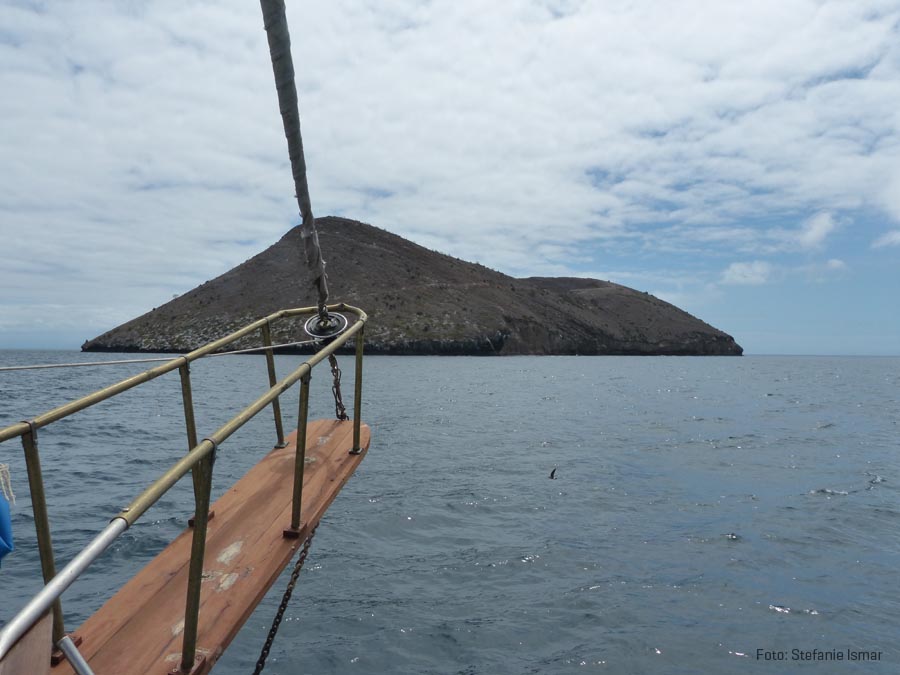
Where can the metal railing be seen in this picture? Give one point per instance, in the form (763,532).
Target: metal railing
(199,461)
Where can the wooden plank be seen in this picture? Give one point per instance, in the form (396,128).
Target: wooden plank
(31,654)
(139,629)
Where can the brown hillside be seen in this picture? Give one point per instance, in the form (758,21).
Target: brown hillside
(422,302)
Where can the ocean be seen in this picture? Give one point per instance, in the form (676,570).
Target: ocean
(717,515)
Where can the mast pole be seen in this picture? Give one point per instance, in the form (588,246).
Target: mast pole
(275,22)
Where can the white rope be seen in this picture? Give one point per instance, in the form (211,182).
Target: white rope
(78,365)
(262,349)
(167,358)
(6,484)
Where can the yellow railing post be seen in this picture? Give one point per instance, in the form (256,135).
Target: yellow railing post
(187,399)
(299,458)
(270,364)
(201,475)
(357,392)
(42,521)
(198,460)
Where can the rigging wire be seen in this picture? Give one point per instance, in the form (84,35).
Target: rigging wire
(249,350)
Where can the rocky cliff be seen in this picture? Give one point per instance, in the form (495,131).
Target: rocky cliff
(422,302)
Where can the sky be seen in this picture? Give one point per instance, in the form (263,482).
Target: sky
(738,159)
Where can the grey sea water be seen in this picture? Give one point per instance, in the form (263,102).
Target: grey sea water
(703,509)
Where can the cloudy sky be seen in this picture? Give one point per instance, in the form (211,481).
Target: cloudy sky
(740,159)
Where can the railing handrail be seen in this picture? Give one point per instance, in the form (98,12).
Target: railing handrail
(147,498)
(21,428)
(56,584)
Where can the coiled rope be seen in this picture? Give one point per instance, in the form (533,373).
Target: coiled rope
(6,484)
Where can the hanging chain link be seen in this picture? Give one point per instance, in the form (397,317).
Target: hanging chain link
(273,631)
(339,410)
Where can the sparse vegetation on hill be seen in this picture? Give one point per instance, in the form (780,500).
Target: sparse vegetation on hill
(422,302)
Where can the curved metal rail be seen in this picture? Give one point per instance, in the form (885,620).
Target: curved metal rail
(198,461)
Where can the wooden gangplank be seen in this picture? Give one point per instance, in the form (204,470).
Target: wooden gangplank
(139,629)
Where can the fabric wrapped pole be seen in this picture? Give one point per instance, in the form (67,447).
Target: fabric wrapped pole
(6,495)
(275,22)
(6,541)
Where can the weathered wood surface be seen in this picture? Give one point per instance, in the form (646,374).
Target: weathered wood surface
(139,629)
(31,654)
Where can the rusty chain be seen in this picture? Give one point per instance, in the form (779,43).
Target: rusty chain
(339,410)
(279,615)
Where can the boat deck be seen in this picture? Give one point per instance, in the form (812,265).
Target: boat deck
(139,629)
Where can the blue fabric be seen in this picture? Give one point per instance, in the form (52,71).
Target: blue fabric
(6,540)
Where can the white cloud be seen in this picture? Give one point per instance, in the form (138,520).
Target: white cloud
(143,139)
(752,273)
(890,194)
(759,272)
(814,231)
(821,272)
(891,238)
